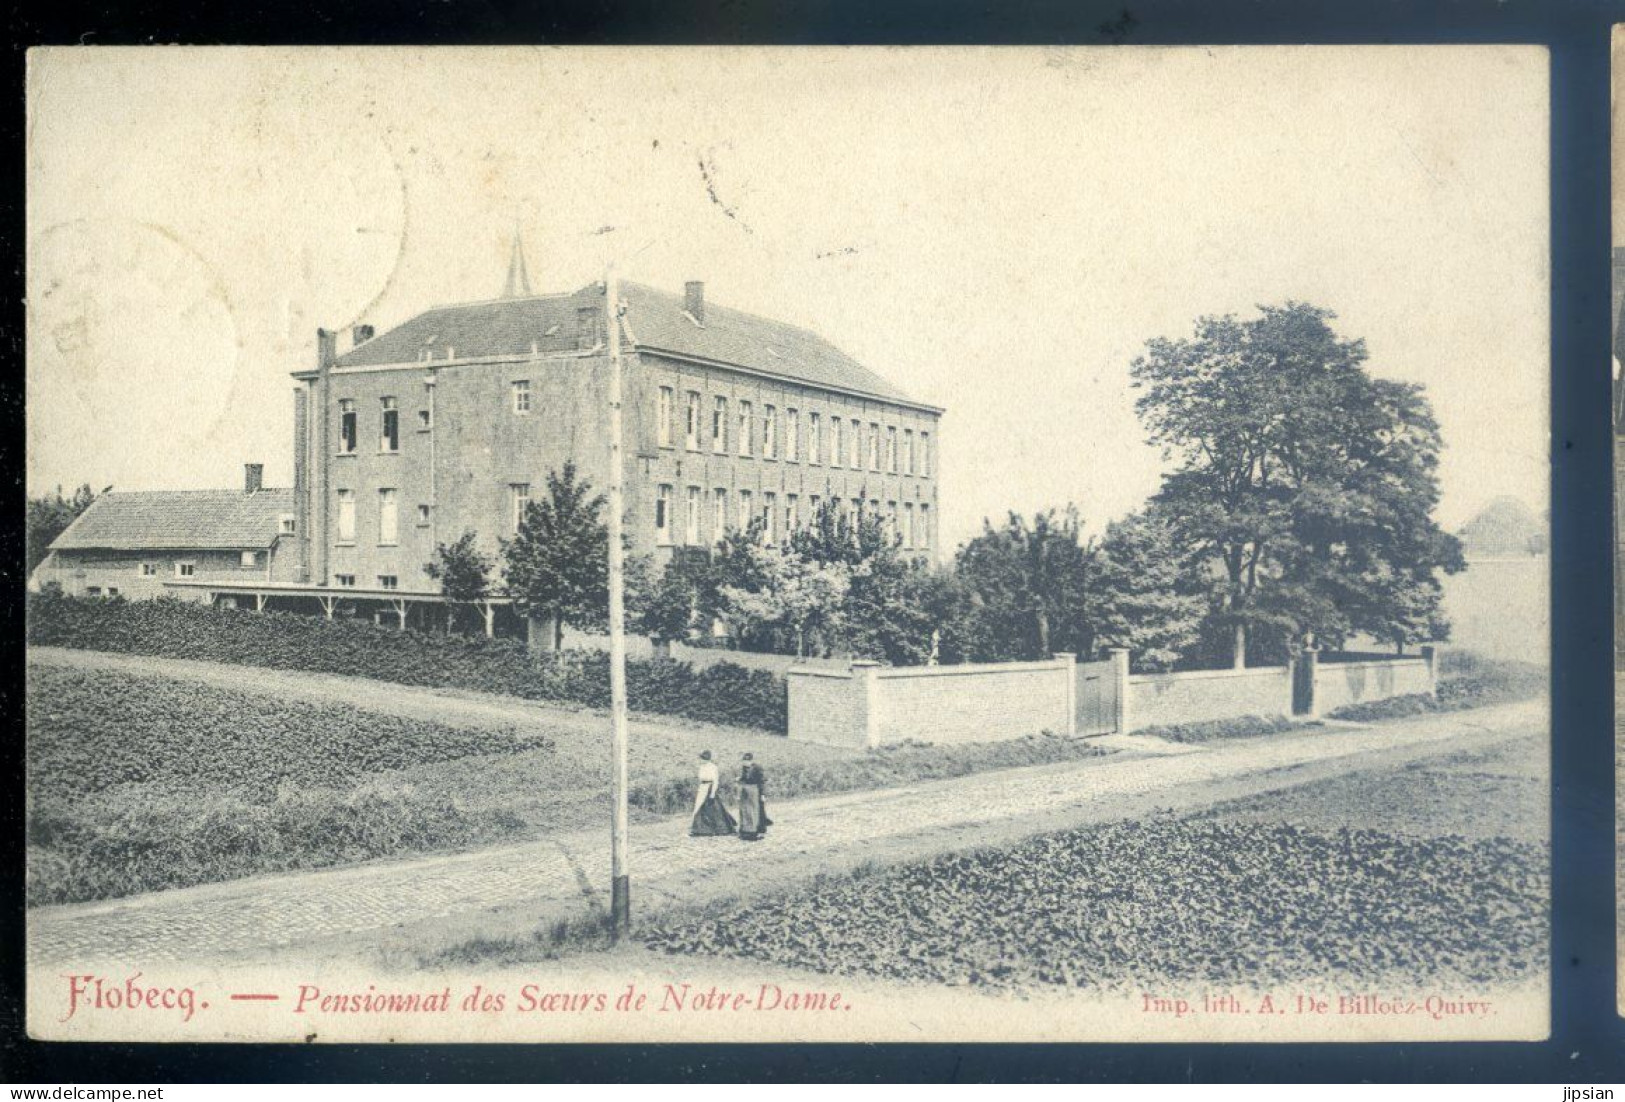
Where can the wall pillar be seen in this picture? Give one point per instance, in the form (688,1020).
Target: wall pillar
(1430,655)
(1310,675)
(866,676)
(1120,675)
(1069,669)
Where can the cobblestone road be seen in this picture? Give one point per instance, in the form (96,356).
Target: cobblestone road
(289,915)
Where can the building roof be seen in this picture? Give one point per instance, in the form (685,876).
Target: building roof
(178,520)
(656,320)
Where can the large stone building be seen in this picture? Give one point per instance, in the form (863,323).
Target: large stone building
(452,422)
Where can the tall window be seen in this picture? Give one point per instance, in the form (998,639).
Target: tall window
(770,519)
(813,502)
(691,517)
(770,432)
(908,451)
(891,449)
(891,518)
(792,517)
(719,514)
(813,443)
(423,516)
(908,525)
(745,433)
(518,502)
(346,516)
(924,535)
(521,396)
(744,510)
(390,439)
(692,435)
(925,455)
(854,438)
(719,426)
(388,517)
(663,515)
(874,446)
(792,435)
(663,417)
(347,433)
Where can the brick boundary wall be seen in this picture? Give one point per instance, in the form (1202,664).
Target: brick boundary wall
(870,705)
(1341,684)
(1197,696)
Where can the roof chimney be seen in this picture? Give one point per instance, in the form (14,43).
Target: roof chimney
(694,300)
(327,347)
(253,477)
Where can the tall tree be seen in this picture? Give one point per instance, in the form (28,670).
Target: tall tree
(1298,478)
(1028,584)
(49,516)
(463,571)
(557,565)
(1144,593)
(795,594)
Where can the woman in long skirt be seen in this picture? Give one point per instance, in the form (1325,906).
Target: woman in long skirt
(753,820)
(710,817)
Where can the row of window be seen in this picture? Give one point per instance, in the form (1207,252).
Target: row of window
(247,560)
(844,443)
(385,581)
(388,516)
(913,527)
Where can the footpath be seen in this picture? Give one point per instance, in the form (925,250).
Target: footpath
(401,907)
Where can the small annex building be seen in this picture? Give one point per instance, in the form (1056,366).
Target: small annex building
(175,542)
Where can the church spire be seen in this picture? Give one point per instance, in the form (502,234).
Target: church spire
(518,285)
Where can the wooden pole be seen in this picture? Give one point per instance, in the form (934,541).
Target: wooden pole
(620,886)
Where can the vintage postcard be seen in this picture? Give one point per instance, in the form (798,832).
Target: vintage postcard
(788,544)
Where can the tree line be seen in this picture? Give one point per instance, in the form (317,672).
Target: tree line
(1297,500)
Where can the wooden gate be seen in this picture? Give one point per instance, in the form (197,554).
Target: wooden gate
(1096,698)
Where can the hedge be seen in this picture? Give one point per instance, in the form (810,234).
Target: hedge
(170,628)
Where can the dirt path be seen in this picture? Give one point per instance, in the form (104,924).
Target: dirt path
(404,909)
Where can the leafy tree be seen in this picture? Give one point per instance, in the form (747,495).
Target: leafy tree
(895,608)
(796,594)
(672,601)
(1028,585)
(48,516)
(463,571)
(557,565)
(1143,593)
(1299,480)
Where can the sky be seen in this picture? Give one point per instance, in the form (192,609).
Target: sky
(996,231)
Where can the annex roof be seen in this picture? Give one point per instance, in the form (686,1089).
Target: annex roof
(178,520)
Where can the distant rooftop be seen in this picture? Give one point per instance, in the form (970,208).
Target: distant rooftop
(178,520)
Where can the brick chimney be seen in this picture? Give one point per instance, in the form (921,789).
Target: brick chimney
(253,477)
(327,347)
(694,300)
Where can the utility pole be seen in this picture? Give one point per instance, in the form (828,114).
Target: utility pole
(620,886)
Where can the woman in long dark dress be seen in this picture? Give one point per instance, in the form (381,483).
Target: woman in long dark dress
(710,817)
(753,820)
